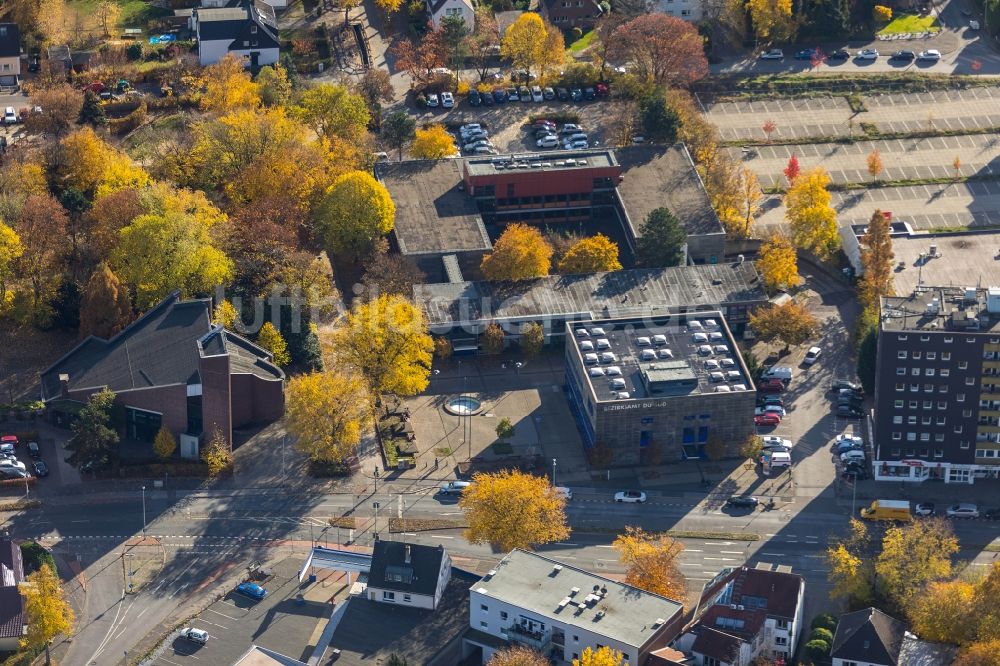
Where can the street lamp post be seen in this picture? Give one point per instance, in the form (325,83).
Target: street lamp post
(144,511)
(553,472)
(376,478)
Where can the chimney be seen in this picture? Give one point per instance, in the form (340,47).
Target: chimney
(406,558)
(64,384)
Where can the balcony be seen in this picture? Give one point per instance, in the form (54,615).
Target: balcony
(537,640)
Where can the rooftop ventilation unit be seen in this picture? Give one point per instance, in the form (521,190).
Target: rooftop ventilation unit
(556,568)
(659,622)
(573,591)
(599,615)
(934,306)
(491,573)
(564,602)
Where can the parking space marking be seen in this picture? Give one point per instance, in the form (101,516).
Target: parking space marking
(171,662)
(211,610)
(201,619)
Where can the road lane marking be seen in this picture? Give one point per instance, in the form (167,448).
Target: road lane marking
(721,559)
(732,552)
(693,550)
(201,619)
(772,554)
(210,610)
(566,543)
(171,662)
(441,536)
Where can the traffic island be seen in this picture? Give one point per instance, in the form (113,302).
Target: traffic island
(142,561)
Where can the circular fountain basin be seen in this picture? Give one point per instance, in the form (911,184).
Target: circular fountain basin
(463,406)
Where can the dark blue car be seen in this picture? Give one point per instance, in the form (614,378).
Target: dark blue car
(252,590)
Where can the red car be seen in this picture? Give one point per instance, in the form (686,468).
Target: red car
(767,420)
(771,386)
(9,439)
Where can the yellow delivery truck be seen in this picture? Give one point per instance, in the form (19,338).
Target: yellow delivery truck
(888,510)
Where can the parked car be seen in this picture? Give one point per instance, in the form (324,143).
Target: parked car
(447,100)
(576,145)
(500,96)
(856,470)
(487,99)
(992,514)
(772,440)
(13,473)
(589,94)
(742,501)
(470,147)
(963,510)
(548,93)
(9,116)
(33,450)
(812,355)
(839,54)
(771,409)
(524,94)
(849,412)
(924,509)
(772,400)
(454,487)
(771,386)
(536,94)
(252,590)
(842,384)
(475,99)
(930,55)
(471,127)
(433,101)
(570,129)
(630,496)
(851,444)
(562,94)
(512,95)
(867,54)
(576,94)
(16,464)
(807,54)
(903,55)
(853,454)
(602,90)
(549,141)
(485,150)
(199,636)
(41,469)
(773,54)
(769,419)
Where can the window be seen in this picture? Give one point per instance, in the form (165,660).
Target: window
(912,420)
(925,437)
(966,413)
(949,340)
(484,607)
(388,596)
(685,12)
(928,388)
(781,640)
(900,371)
(253,30)
(6,67)
(940,421)
(945,356)
(960,397)
(897,419)
(781,624)
(927,404)
(898,404)
(939,453)
(895,452)
(970,381)
(897,435)
(503,615)
(902,338)
(958,430)
(246,43)
(900,387)
(901,354)
(484,624)
(939,437)
(915,372)
(945,372)
(931,356)
(925,420)
(913,404)
(943,388)
(929,372)
(406,598)
(925,338)
(911,436)
(916,354)
(576,639)
(914,388)
(971,341)
(963,445)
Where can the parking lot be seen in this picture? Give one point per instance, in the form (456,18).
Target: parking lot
(925,207)
(281,622)
(903,159)
(962,110)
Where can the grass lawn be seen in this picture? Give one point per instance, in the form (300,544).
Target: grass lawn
(144,145)
(582,43)
(911,23)
(134,13)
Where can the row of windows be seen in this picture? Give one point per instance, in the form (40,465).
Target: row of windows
(924,453)
(929,388)
(928,372)
(391,596)
(924,420)
(948,340)
(924,436)
(929,404)
(931,356)
(987,453)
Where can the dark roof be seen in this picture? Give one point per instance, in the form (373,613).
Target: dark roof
(432,214)
(780,589)
(436,5)
(617,294)
(370,631)
(12,617)
(868,635)
(590,9)
(10,40)
(405,567)
(716,644)
(161,348)
(664,176)
(235,21)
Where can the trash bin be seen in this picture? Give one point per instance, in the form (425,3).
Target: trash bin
(312,578)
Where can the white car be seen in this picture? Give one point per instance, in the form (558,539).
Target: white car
(9,116)
(472,145)
(199,636)
(477,131)
(633,496)
(773,54)
(853,454)
(485,150)
(812,355)
(470,127)
(17,464)
(575,145)
(433,101)
(536,94)
(548,142)
(867,54)
(447,100)
(930,54)
(963,510)
(772,440)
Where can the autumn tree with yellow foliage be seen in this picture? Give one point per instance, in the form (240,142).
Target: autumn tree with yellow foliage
(651,562)
(945,612)
(509,509)
(10,250)
(812,219)
(327,412)
(876,257)
(164,444)
(524,42)
(271,339)
(432,143)
(520,253)
(773,20)
(778,263)
(590,255)
(228,86)
(602,656)
(913,557)
(84,161)
(48,611)
(217,454)
(386,341)
(791,323)
(334,113)
(851,571)
(355,211)
(518,655)
(225,314)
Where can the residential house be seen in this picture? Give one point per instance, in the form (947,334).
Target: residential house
(440,9)
(743,614)
(559,610)
(247,30)
(566,14)
(10,56)
(174,368)
(867,637)
(408,574)
(689,10)
(13,622)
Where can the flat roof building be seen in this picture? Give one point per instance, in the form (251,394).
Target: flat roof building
(459,206)
(658,388)
(560,610)
(937,386)
(461,311)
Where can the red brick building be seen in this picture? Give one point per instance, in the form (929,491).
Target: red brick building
(174,368)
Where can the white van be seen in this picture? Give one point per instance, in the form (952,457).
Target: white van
(454,487)
(784,374)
